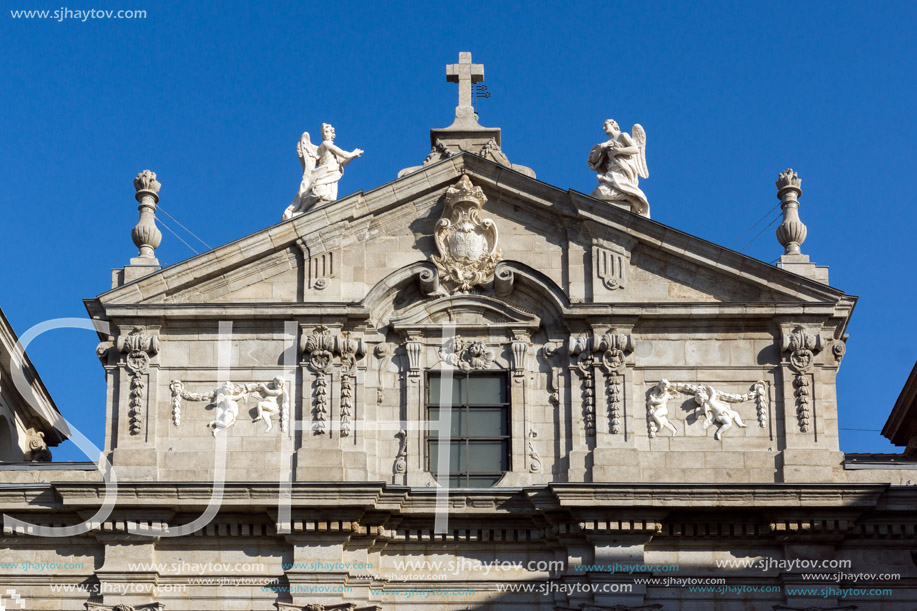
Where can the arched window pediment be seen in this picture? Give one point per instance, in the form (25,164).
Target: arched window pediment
(466,314)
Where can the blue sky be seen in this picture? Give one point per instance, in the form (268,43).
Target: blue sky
(213,99)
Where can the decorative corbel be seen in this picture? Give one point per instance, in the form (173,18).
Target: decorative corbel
(318,352)
(802,346)
(839,348)
(138,347)
(613,349)
(383,353)
(351,351)
(413,347)
(38,449)
(549,351)
(581,348)
(520,349)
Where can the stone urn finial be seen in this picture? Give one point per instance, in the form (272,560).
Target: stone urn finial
(145,234)
(792,232)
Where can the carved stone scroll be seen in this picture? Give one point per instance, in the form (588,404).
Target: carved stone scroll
(401,460)
(534,457)
(139,348)
(38,448)
(382,352)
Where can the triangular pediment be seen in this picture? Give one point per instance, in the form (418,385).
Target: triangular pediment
(593,251)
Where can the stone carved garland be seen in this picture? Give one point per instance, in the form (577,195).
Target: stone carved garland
(803,347)
(467,244)
(319,350)
(466,355)
(713,402)
(139,348)
(272,400)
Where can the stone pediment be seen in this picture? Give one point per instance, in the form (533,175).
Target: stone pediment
(594,252)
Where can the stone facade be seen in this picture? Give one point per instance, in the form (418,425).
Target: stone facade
(669,401)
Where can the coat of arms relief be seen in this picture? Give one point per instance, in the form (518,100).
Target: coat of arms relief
(467,244)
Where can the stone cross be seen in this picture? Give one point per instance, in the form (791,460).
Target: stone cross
(465,74)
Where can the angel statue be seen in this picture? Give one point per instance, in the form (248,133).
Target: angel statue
(619,162)
(322,168)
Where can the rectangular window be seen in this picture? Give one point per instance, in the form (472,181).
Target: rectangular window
(478,426)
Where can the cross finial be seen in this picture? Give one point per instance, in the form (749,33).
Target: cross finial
(465,74)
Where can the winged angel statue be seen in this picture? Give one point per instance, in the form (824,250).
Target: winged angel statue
(620,162)
(322,168)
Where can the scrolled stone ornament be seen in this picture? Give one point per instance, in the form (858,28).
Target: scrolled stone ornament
(612,351)
(138,348)
(401,460)
(803,347)
(534,457)
(38,449)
